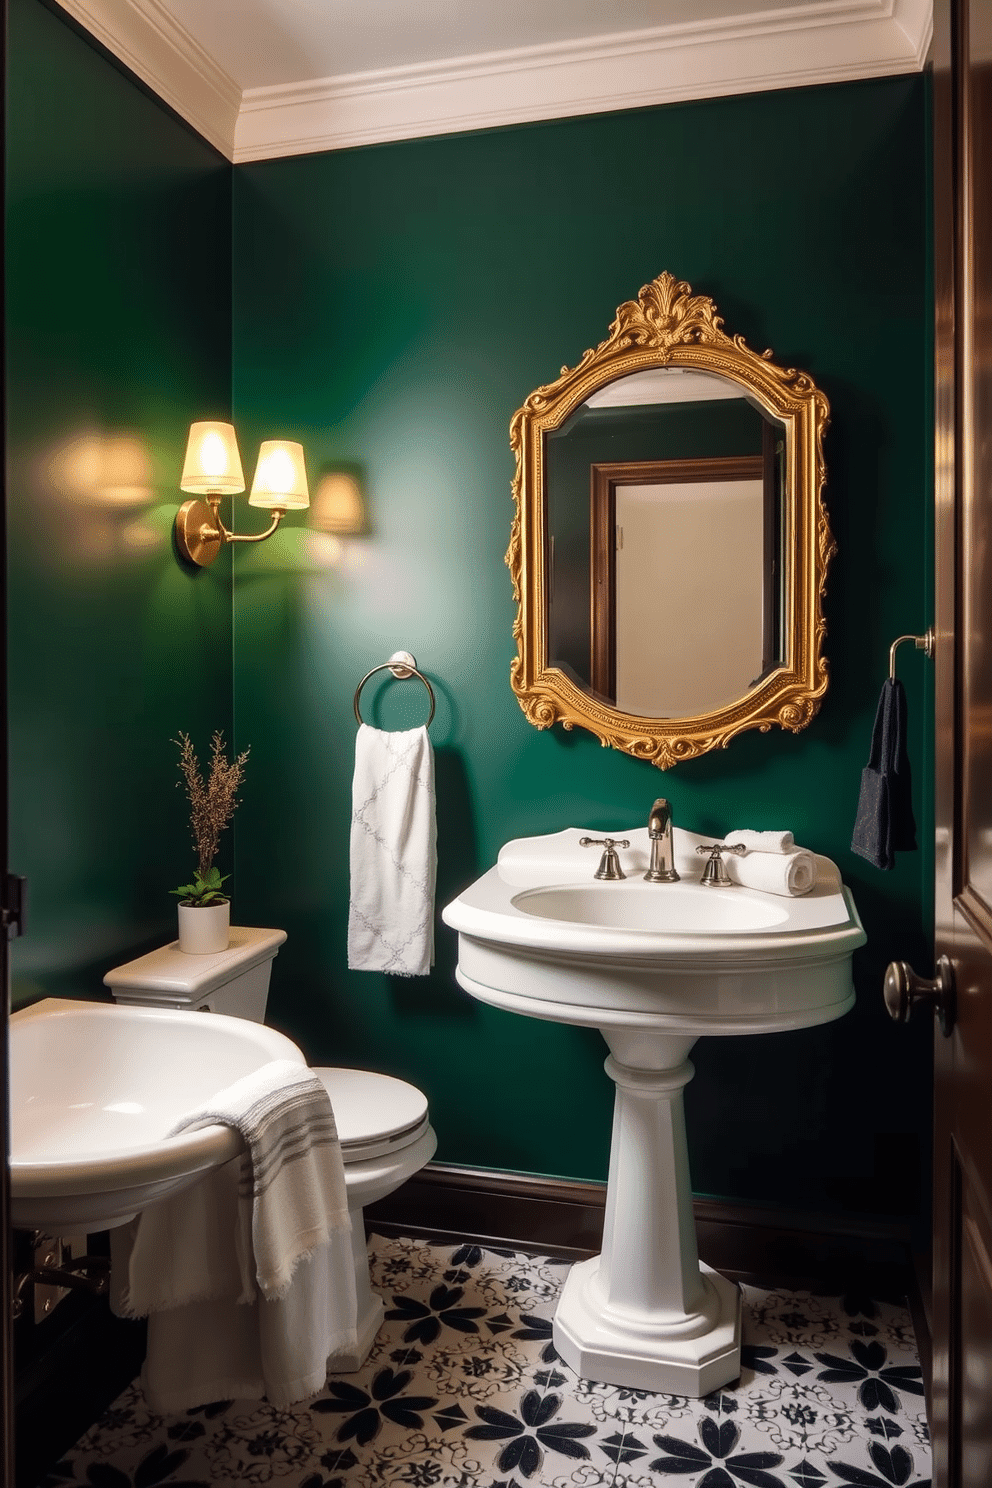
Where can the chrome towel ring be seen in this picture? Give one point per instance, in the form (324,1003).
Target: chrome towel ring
(401,664)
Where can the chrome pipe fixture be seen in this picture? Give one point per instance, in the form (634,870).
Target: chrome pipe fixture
(662,865)
(609,864)
(87,1274)
(715,875)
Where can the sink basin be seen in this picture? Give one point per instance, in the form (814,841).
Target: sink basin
(94,1089)
(653,966)
(683,908)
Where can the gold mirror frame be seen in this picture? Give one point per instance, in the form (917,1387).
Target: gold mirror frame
(668,326)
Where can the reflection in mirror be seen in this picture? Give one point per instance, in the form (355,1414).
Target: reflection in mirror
(664,521)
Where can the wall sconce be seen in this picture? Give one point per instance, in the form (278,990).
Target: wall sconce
(213,469)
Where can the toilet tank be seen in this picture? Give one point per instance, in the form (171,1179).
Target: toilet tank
(235,981)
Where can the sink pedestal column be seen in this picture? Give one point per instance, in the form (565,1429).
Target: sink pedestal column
(645,1313)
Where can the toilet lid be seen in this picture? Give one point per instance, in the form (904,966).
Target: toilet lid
(374,1114)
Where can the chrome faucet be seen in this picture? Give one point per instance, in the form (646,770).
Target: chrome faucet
(662,869)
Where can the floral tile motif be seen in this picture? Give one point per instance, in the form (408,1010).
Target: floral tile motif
(464,1389)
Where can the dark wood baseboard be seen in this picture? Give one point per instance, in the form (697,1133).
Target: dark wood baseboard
(559,1217)
(565,1218)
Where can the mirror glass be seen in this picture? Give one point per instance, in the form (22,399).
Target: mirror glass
(664,543)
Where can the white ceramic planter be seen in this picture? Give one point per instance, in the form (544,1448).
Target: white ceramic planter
(205,928)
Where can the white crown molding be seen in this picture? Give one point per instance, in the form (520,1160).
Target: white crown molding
(826,42)
(835,41)
(147,39)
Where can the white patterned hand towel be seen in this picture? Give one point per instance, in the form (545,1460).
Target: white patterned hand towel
(393,853)
(790,873)
(769,842)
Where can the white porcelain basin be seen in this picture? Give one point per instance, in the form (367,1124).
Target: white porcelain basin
(652,966)
(94,1089)
(684,908)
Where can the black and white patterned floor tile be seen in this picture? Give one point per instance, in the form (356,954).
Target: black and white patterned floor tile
(463,1389)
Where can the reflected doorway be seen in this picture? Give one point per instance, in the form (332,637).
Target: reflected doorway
(678,548)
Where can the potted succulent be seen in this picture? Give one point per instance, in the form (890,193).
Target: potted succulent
(204,908)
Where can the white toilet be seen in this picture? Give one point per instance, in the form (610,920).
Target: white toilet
(382,1122)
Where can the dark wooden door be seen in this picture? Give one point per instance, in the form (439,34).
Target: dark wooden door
(6,1246)
(962,1295)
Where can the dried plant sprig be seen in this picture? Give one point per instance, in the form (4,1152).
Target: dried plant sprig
(213,802)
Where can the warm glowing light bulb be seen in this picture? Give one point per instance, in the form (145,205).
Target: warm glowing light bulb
(213,455)
(213,463)
(277,473)
(280,477)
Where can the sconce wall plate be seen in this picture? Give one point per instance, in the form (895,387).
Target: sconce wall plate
(197,535)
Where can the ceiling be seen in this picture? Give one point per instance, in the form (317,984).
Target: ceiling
(264,78)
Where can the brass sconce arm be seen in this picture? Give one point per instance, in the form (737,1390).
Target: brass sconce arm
(200,533)
(277,517)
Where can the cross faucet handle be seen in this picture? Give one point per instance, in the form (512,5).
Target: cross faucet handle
(715,876)
(609,863)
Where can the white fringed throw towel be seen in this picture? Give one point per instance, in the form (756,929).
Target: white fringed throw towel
(393,853)
(247,1277)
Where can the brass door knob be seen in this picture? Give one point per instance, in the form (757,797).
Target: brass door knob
(903,989)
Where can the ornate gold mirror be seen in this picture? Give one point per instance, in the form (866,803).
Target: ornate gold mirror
(670,544)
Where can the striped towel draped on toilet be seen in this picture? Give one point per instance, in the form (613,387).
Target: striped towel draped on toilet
(242,1274)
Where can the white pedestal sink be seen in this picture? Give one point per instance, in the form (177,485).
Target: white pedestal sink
(653,967)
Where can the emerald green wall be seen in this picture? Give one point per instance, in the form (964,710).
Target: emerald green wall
(392,307)
(118,334)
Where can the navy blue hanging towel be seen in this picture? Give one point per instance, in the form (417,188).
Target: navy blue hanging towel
(884,824)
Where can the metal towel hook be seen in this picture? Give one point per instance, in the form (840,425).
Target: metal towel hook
(925,643)
(402,665)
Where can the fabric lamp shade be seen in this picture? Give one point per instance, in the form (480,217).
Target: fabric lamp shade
(280,477)
(213,462)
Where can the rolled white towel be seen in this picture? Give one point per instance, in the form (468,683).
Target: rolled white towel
(766,842)
(791,873)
